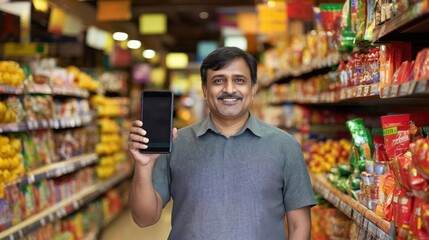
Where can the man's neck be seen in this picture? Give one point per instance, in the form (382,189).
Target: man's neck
(229,127)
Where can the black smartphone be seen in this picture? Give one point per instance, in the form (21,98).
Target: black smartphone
(157,117)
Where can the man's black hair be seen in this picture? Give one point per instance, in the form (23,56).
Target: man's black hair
(222,57)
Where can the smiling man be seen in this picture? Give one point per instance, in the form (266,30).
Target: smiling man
(231,176)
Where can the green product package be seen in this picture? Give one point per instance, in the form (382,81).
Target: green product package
(362,139)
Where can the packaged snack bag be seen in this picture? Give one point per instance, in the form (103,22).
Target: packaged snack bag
(416,229)
(362,139)
(421,157)
(370,20)
(418,184)
(402,207)
(425,215)
(385,196)
(396,134)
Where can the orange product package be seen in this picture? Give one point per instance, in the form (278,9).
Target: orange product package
(420,152)
(385,196)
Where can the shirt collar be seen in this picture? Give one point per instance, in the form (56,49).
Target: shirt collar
(252,124)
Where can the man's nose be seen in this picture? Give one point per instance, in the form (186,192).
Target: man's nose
(229,87)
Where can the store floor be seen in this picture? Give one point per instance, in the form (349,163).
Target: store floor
(123,227)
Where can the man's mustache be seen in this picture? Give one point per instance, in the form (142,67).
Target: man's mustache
(226,95)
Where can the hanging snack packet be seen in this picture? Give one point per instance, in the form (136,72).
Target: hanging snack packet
(396,134)
(362,138)
(385,197)
(421,157)
(370,20)
(416,229)
(361,19)
(418,184)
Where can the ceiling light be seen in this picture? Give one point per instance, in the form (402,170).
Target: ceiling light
(271,3)
(149,53)
(120,36)
(204,15)
(134,44)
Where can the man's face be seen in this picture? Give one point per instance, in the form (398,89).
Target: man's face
(229,92)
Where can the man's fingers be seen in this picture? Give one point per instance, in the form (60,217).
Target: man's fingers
(137,145)
(137,123)
(137,130)
(138,138)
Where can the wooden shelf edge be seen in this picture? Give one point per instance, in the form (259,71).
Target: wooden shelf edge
(350,207)
(63,208)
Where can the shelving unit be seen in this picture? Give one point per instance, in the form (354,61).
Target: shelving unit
(366,219)
(62,208)
(413,20)
(58,169)
(56,123)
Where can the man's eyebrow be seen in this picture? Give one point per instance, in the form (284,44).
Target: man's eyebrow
(234,75)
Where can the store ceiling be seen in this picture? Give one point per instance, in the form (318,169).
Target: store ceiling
(185,27)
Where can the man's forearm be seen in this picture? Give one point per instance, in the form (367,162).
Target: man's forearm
(144,202)
(299,234)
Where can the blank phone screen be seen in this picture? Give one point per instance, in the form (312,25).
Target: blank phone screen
(157,120)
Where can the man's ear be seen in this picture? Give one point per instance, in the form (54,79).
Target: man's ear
(204,88)
(255,88)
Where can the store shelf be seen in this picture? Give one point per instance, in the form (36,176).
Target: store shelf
(413,20)
(56,123)
(45,89)
(366,219)
(303,74)
(58,169)
(62,208)
(10,90)
(70,92)
(361,94)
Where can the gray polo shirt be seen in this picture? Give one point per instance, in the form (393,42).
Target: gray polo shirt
(232,188)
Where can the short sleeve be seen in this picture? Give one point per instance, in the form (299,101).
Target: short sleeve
(297,190)
(161,178)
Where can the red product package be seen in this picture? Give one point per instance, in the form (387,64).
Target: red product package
(416,229)
(425,215)
(418,184)
(401,167)
(402,207)
(419,64)
(402,74)
(396,134)
(420,152)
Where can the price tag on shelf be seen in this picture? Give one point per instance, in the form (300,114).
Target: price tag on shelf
(394,90)
(359,91)
(421,87)
(366,90)
(45,123)
(381,234)
(343,94)
(355,215)
(371,229)
(43,221)
(350,92)
(374,89)
(404,90)
(385,92)
(31,179)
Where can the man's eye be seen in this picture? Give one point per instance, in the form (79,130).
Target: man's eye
(218,81)
(240,80)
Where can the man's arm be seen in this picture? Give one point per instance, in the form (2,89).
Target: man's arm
(145,202)
(299,223)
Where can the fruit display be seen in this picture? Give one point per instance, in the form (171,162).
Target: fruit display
(110,148)
(107,106)
(11,74)
(7,115)
(83,80)
(321,156)
(10,161)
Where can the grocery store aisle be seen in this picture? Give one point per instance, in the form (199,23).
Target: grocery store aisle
(124,227)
